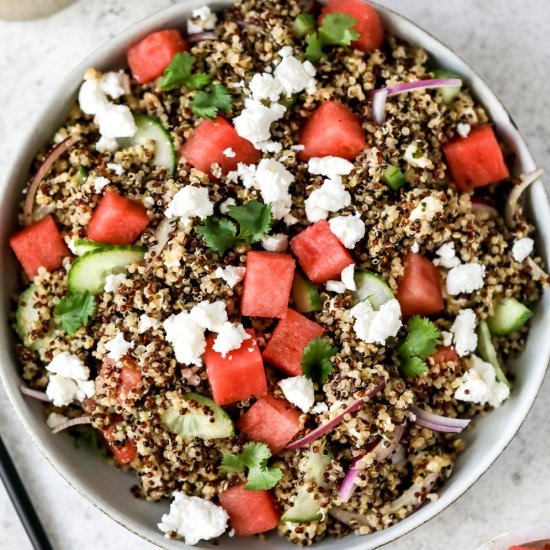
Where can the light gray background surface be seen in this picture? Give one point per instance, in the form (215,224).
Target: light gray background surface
(507,42)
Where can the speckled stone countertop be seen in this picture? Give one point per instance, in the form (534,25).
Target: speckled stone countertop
(507,42)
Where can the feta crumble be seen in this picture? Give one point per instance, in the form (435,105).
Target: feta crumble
(295,76)
(231,275)
(463,129)
(190,202)
(274,181)
(118,347)
(254,122)
(348,277)
(100,183)
(319,408)
(230,336)
(202,20)
(464,332)
(415,248)
(68,380)
(245,172)
(375,327)
(522,249)
(427,210)
(113,282)
(147,323)
(275,243)
(55,419)
(229,153)
(349,229)
(224,206)
(106,144)
(299,147)
(415,157)
(465,278)
(446,256)
(116,121)
(210,316)
(118,169)
(264,86)
(186,337)
(115,84)
(69,366)
(194,519)
(330,197)
(330,167)
(446,338)
(335,286)
(298,390)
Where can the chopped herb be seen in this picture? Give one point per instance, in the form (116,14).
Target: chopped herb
(89,436)
(254,457)
(75,310)
(303,25)
(337,30)
(208,105)
(178,74)
(220,235)
(316,364)
(421,342)
(393,177)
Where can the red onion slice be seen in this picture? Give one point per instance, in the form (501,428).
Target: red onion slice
(322,430)
(483,205)
(201,36)
(537,271)
(378,103)
(162,236)
(39,395)
(415,495)
(513,199)
(42,172)
(436,422)
(72,422)
(351,519)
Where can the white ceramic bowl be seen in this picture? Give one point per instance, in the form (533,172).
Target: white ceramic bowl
(108,488)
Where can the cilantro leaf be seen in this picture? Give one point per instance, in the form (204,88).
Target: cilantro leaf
(90,436)
(421,342)
(314,50)
(254,220)
(337,30)
(220,235)
(75,310)
(178,74)
(254,457)
(413,366)
(316,364)
(208,105)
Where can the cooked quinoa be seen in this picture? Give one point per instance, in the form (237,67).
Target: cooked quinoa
(183,274)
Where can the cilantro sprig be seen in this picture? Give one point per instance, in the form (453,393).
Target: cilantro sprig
(316,360)
(421,342)
(337,30)
(253,458)
(209,104)
(178,74)
(75,310)
(254,221)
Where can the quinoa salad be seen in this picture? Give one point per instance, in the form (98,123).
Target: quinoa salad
(274,268)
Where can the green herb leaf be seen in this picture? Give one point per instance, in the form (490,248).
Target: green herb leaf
(254,457)
(316,364)
(337,30)
(314,50)
(178,74)
(303,24)
(254,220)
(89,436)
(422,339)
(208,105)
(413,366)
(75,310)
(220,235)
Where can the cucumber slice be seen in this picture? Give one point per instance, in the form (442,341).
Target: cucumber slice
(371,287)
(198,422)
(305,294)
(81,246)
(448,95)
(150,128)
(305,508)
(90,270)
(25,317)
(509,316)
(487,351)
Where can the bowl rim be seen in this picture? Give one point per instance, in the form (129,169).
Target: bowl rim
(27,151)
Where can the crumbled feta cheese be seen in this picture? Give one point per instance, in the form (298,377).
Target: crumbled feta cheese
(427,210)
(335,286)
(115,84)
(298,147)
(149,201)
(69,365)
(230,336)
(270,147)
(275,243)
(100,183)
(522,249)
(72,246)
(116,121)
(285,51)
(274,181)
(107,144)
(414,157)
(294,76)
(61,390)
(465,278)
(224,206)
(68,380)
(202,20)
(55,419)
(463,129)
(194,519)
(229,153)
(236,85)
(254,122)
(264,86)
(118,169)
(330,167)
(191,376)
(118,347)
(186,337)
(112,282)
(298,390)
(479,385)
(91,97)
(447,338)
(319,408)
(190,202)
(211,316)
(231,275)
(147,323)
(245,172)
(348,277)
(349,229)
(415,248)
(376,326)
(464,332)
(446,256)
(330,197)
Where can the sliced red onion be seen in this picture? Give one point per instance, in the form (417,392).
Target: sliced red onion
(348,484)
(322,430)
(537,271)
(72,422)
(513,200)
(42,172)
(436,422)
(483,205)
(378,103)
(351,519)
(201,36)
(162,236)
(415,495)
(40,395)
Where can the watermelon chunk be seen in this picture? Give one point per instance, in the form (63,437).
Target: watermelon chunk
(117,220)
(332,130)
(209,141)
(150,56)
(368,24)
(251,512)
(123,452)
(320,253)
(286,345)
(39,245)
(476,160)
(419,290)
(271,421)
(239,375)
(445,354)
(130,376)
(267,284)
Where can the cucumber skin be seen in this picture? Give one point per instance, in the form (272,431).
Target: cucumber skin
(20,323)
(305,294)
(356,296)
(83,245)
(448,95)
(499,324)
(487,352)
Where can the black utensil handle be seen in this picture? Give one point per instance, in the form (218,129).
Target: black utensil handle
(21,502)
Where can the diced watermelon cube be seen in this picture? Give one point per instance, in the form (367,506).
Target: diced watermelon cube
(250,512)
(150,56)
(239,375)
(419,290)
(368,24)
(117,220)
(209,141)
(476,160)
(286,345)
(267,284)
(39,245)
(445,354)
(332,130)
(130,376)
(123,452)
(320,252)
(271,421)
